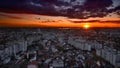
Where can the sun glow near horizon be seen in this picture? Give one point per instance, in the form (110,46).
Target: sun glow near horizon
(86,25)
(32,20)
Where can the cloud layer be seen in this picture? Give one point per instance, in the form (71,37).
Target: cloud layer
(71,8)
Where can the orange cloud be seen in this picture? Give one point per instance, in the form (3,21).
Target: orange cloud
(31,21)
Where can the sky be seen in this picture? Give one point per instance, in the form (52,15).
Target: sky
(59,13)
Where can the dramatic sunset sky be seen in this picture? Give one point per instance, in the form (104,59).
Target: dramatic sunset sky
(60,13)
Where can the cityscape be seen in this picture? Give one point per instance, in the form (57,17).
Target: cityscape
(59,33)
(59,48)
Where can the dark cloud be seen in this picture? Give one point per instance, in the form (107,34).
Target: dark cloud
(97,4)
(10,16)
(70,8)
(93,21)
(116,10)
(96,8)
